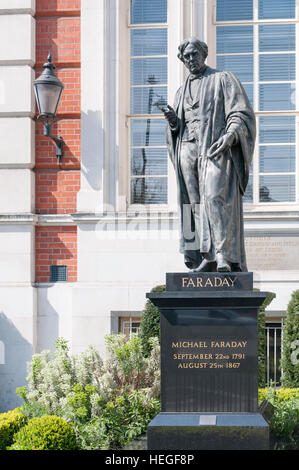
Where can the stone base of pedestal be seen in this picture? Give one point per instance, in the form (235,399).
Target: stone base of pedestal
(205,431)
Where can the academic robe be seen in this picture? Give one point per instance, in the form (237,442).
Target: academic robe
(223,106)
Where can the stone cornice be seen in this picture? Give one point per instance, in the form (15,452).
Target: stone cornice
(55,219)
(18,219)
(259,223)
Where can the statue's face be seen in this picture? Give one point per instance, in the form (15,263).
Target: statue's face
(193,58)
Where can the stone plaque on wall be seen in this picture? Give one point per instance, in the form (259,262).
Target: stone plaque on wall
(272,253)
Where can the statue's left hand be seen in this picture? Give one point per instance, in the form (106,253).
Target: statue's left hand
(221,145)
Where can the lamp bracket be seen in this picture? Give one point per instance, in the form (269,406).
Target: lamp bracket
(58,141)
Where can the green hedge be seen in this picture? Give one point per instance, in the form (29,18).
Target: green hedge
(45,433)
(10,423)
(150,323)
(285,421)
(290,348)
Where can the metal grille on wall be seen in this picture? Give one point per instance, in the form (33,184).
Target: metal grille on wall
(274,338)
(58,273)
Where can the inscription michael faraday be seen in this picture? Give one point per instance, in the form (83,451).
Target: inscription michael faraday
(209,344)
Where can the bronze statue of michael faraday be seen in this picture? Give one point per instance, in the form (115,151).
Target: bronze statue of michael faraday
(210,137)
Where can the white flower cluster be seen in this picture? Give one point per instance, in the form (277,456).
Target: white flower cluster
(52,377)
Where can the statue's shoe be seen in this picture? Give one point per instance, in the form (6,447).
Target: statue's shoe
(206,266)
(223,266)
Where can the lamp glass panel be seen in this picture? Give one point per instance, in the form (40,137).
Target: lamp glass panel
(47,98)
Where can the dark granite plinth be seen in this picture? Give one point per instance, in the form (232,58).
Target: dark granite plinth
(208,358)
(194,431)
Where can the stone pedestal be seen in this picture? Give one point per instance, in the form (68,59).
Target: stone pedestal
(209,376)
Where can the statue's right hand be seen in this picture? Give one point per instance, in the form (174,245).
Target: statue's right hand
(171,116)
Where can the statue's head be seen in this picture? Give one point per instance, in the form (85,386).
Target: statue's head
(193,53)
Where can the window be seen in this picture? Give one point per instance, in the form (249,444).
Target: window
(148,92)
(261,53)
(129,325)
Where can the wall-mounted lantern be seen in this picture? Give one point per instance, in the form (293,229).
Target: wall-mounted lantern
(48,89)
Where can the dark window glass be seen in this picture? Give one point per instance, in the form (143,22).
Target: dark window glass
(149,161)
(148,11)
(148,132)
(277,67)
(278,37)
(149,190)
(233,39)
(277,129)
(249,92)
(277,158)
(273,9)
(148,42)
(240,65)
(280,188)
(277,97)
(144,100)
(233,10)
(146,71)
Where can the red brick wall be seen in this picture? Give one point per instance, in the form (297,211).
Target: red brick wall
(57,184)
(55,246)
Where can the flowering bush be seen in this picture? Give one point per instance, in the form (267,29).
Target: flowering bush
(108,402)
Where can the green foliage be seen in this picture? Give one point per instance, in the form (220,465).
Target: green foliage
(79,409)
(290,349)
(285,421)
(127,416)
(278,394)
(31,409)
(51,378)
(128,369)
(108,403)
(262,355)
(121,420)
(45,433)
(150,323)
(10,423)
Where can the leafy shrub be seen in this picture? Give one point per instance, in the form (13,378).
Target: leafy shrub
(278,394)
(45,433)
(285,421)
(121,420)
(150,323)
(290,349)
(127,416)
(51,378)
(10,423)
(127,368)
(87,392)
